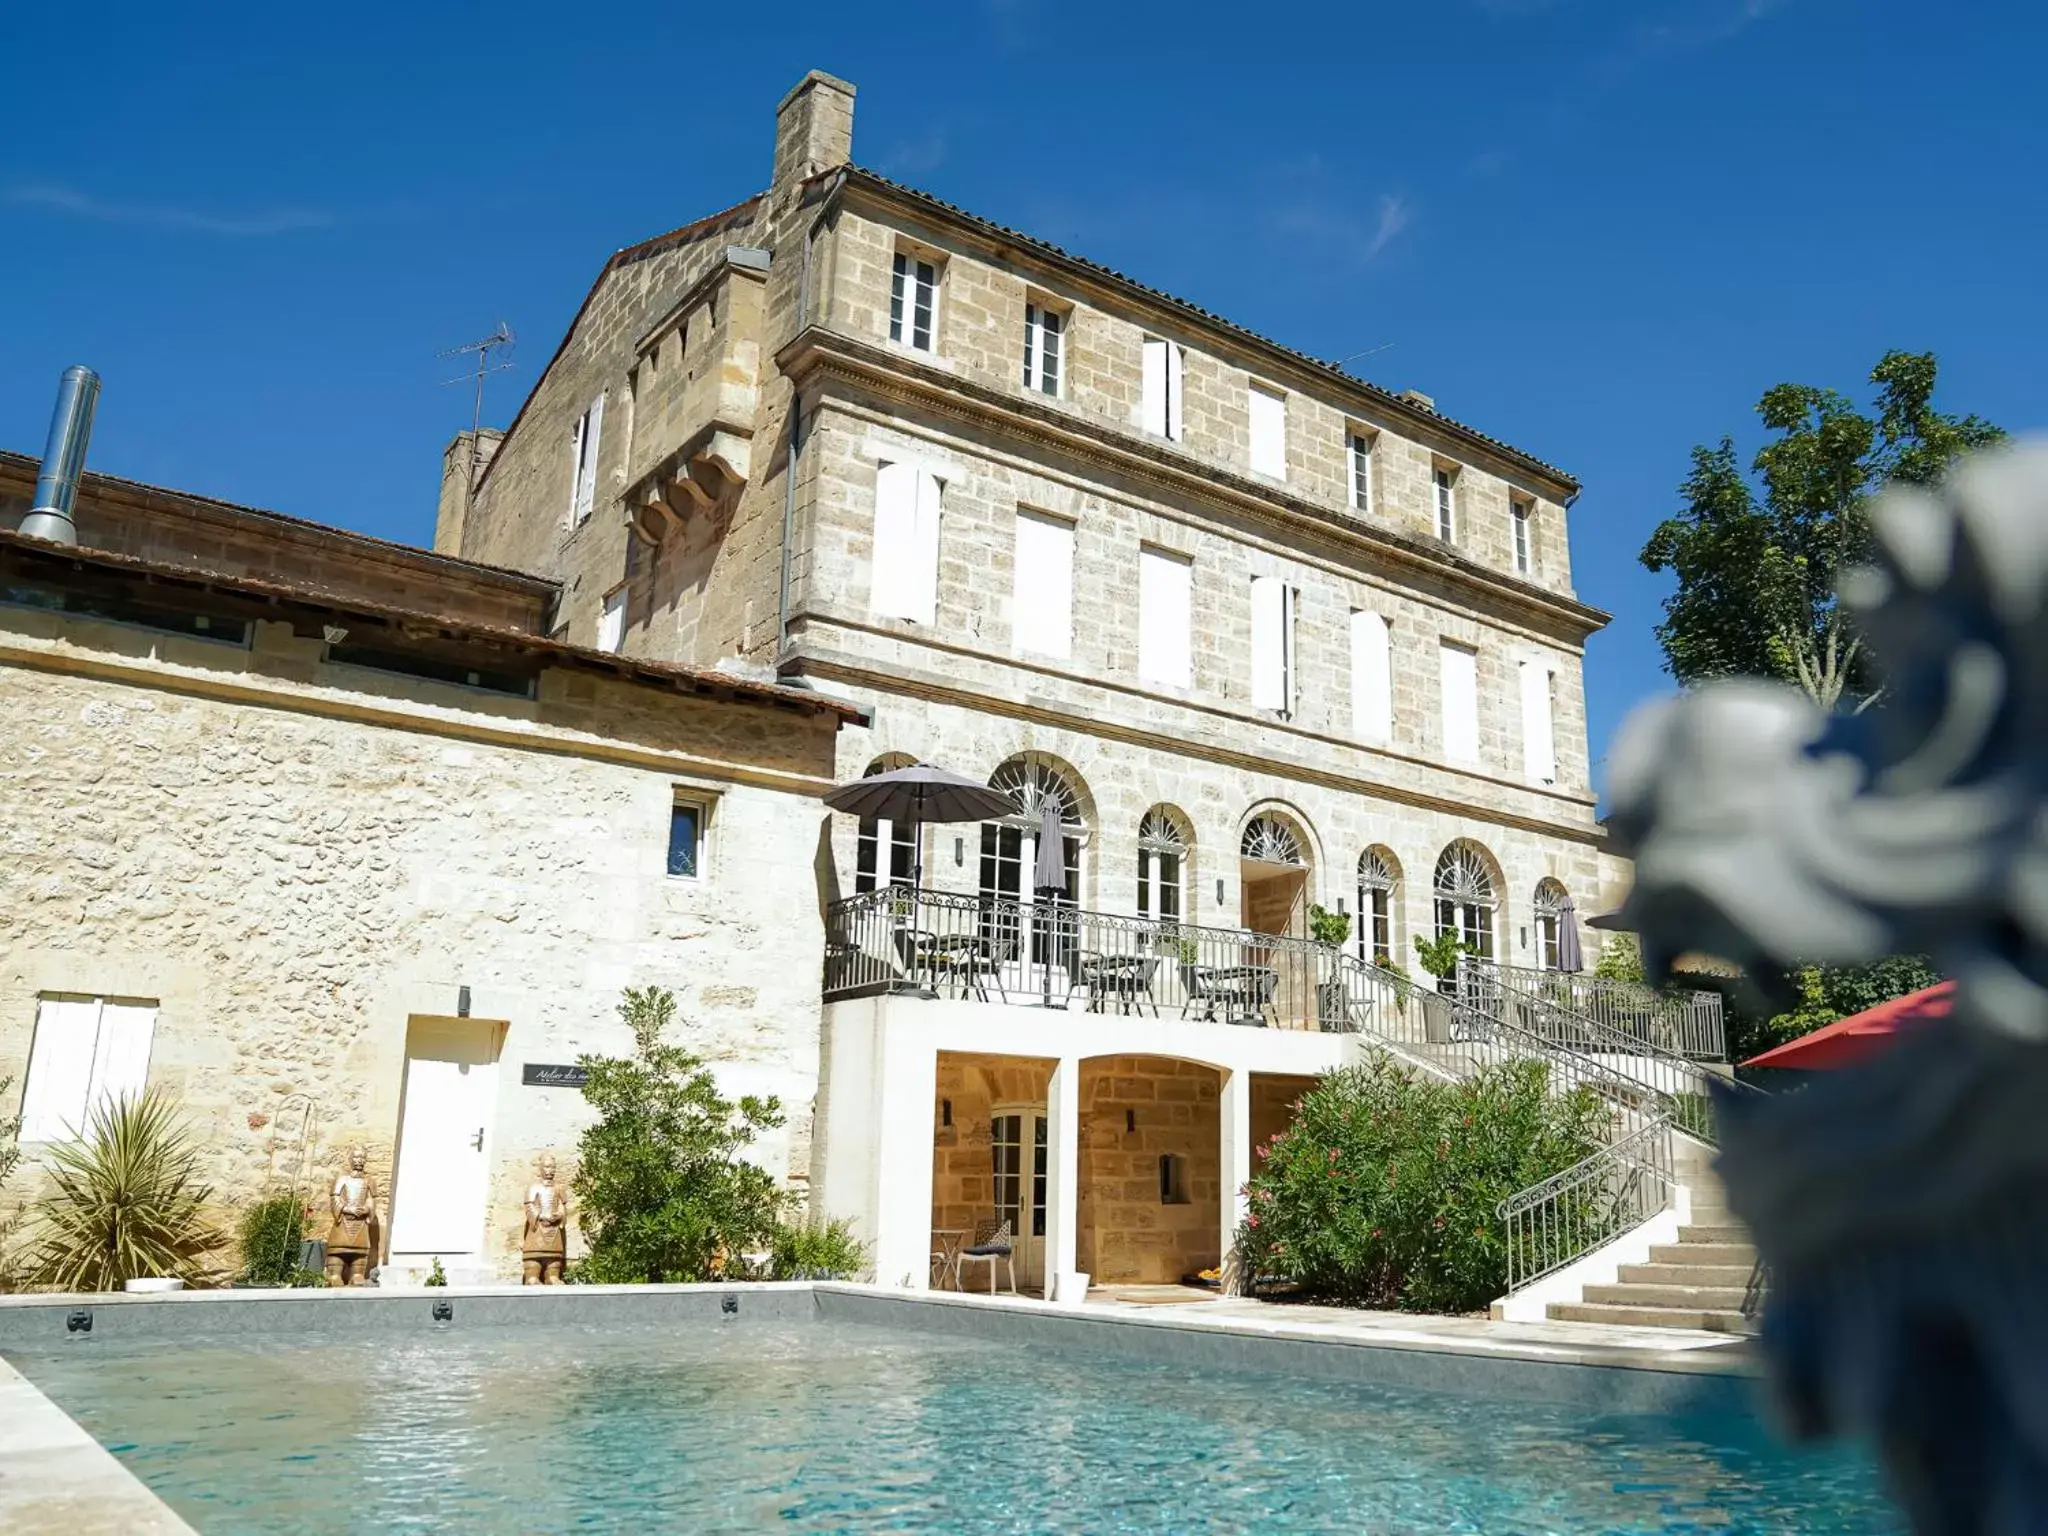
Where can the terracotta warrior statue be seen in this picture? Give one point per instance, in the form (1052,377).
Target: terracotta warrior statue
(546,1242)
(354,1202)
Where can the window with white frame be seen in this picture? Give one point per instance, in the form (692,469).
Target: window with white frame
(1458,675)
(904,570)
(1372,677)
(1162,865)
(88,1053)
(611,622)
(913,301)
(1466,900)
(1269,432)
(1447,505)
(1379,881)
(1160,388)
(885,852)
(1361,472)
(686,839)
(583,444)
(1272,644)
(1165,583)
(1551,901)
(1539,734)
(1042,601)
(1518,525)
(1043,329)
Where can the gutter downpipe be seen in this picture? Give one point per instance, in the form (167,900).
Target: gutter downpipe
(49,516)
(803,314)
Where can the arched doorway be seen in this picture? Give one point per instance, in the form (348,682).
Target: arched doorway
(885,852)
(1467,898)
(1551,900)
(1024,923)
(1273,869)
(1379,900)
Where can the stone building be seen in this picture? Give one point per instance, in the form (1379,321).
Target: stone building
(327,837)
(1265,637)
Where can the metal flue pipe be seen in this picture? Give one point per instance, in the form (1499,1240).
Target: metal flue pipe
(64,458)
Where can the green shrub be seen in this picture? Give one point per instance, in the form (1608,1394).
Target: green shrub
(662,1190)
(1439,955)
(271,1232)
(817,1251)
(1383,1191)
(125,1202)
(1621,958)
(1327,927)
(437,1275)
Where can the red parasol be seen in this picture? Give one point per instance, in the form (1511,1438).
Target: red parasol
(1861,1034)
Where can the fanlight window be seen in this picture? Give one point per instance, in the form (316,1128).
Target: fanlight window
(1009,848)
(1029,783)
(876,835)
(1465,900)
(1377,884)
(1162,865)
(1551,901)
(1271,841)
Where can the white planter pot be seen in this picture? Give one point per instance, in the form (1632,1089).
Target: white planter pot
(1070,1288)
(154,1286)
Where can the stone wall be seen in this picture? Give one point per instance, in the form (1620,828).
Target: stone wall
(1136,1110)
(295,860)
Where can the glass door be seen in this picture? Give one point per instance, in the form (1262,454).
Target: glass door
(1017,1154)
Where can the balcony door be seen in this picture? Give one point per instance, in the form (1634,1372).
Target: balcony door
(1035,933)
(1017,1153)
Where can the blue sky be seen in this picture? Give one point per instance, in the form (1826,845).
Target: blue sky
(1595,228)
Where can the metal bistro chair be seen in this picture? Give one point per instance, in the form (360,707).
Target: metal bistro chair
(992,1243)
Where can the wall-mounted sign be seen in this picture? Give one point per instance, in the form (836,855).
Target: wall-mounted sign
(543,1074)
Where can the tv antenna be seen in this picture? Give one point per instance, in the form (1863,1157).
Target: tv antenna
(501,337)
(1385,346)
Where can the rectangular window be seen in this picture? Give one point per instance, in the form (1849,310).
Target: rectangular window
(1042,330)
(686,840)
(1165,582)
(1269,433)
(913,292)
(1272,644)
(1459,675)
(1372,678)
(904,580)
(611,623)
(1042,603)
(1361,472)
(1446,507)
(1518,516)
(1159,401)
(583,460)
(87,1051)
(1539,739)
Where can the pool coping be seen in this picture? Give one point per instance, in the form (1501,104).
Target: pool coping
(55,1477)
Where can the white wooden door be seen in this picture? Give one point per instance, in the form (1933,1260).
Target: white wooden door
(451,1084)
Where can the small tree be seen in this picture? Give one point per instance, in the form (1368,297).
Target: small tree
(663,1193)
(1439,956)
(1328,928)
(1621,959)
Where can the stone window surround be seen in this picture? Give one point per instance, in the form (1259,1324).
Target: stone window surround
(703,803)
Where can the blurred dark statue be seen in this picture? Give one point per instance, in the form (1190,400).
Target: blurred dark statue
(1901,1204)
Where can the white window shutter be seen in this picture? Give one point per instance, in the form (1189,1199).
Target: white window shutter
(1164,612)
(593,433)
(1042,600)
(1269,434)
(1152,393)
(60,1066)
(120,1066)
(1269,642)
(576,463)
(1459,676)
(1372,678)
(1173,389)
(889,582)
(611,624)
(1539,744)
(923,592)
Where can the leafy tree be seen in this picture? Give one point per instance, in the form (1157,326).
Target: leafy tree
(1621,958)
(1823,994)
(663,1191)
(1756,572)
(1439,956)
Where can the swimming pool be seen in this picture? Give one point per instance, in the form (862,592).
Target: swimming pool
(831,1424)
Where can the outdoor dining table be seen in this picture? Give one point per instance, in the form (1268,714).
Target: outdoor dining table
(1246,988)
(946,1253)
(1127,978)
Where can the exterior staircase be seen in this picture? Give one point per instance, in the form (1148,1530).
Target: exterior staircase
(1700,1281)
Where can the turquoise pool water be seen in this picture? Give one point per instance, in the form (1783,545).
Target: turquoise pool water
(839,1426)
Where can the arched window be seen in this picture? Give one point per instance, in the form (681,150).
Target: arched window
(1465,901)
(1379,885)
(1551,900)
(1271,841)
(898,838)
(1162,865)
(1009,848)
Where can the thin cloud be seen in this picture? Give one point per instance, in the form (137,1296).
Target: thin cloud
(190,221)
(1358,241)
(1686,30)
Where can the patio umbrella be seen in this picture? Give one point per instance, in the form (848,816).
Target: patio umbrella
(919,794)
(1570,957)
(1049,880)
(1860,1034)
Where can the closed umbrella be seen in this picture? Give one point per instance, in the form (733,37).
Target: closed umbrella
(1570,956)
(917,795)
(1049,881)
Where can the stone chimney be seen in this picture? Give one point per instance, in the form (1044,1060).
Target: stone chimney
(813,129)
(462,465)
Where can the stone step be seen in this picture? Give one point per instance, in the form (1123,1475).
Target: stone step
(1714,1232)
(1728,1255)
(1715,1276)
(1704,1319)
(1700,1298)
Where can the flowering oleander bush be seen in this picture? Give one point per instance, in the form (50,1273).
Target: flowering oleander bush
(1383,1191)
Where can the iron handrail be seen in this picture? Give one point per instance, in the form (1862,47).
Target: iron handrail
(1603,1196)
(1687,1022)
